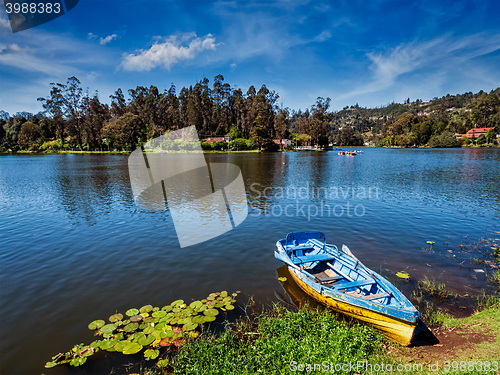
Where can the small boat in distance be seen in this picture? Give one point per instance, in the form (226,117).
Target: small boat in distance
(337,279)
(348,153)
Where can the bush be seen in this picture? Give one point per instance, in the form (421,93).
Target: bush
(220,145)
(206,146)
(445,139)
(481,140)
(238,144)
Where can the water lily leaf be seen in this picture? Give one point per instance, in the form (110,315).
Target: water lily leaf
(167,308)
(108,344)
(211,312)
(50,364)
(78,361)
(223,294)
(96,324)
(144,315)
(229,307)
(151,354)
(403,275)
(115,317)
(146,340)
(167,341)
(179,341)
(119,336)
(132,348)
(136,318)
(195,305)
(199,319)
(177,303)
(227,299)
(108,328)
(95,344)
(145,309)
(209,318)
(132,312)
(188,311)
(159,314)
(189,326)
(131,327)
(119,346)
(160,326)
(211,298)
(149,330)
(162,363)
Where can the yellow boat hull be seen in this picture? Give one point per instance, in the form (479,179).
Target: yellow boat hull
(392,328)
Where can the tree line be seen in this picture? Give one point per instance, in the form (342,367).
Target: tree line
(74,118)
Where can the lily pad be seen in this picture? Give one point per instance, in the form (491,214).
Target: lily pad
(136,318)
(131,327)
(132,312)
(132,348)
(78,361)
(119,346)
(189,326)
(115,317)
(96,324)
(229,307)
(403,275)
(167,341)
(146,340)
(159,314)
(177,303)
(211,312)
(195,305)
(151,354)
(149,330)
(108,328)
(167,308)
(145,309)
(209,318)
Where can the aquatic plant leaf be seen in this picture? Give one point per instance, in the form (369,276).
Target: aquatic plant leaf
(229,307)
(95,344)
(167,308)
(403,275)
(78,361)
(115,317)
(145,309)
(160,326)
(234,294)
(167,341)
(136,318)
(51,364)
(151,354)
(159,314)
(223,294)
(430,242)
(132,348)
(193,334)
(132,312)
(148,330)
(131,327)
(211,312)
(96,324)
(189,326)
(107,344)
(209,318)
(227,299)
(177,303)
(108,328)
(162,363)
(146,340)
(179,341)
(282,279)
(195,305)
(119,346)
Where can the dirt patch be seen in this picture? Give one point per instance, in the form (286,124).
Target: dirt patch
(444,344)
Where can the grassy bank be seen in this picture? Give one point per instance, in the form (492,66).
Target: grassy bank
(308,341)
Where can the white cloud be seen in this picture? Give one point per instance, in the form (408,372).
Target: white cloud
(168,53)
(4,23)
(441,55)
(92,36)
(325,35)
(108,39)
(232,67)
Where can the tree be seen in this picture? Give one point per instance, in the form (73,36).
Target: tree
(465,140)
(481,140)
(125,132)
(234,133)
(12,128)
(490,135)
(30,136)
(73,102)
(54,107)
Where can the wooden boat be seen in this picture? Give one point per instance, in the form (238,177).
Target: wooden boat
(339,280)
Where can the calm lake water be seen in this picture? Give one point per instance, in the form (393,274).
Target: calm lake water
(74,247)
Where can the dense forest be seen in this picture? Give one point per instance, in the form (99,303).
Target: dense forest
(76,120)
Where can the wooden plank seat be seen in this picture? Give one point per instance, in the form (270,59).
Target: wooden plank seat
(312,258)
(325,280)
(371,297)
(354,284)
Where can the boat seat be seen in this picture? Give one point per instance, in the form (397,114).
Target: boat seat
(375,296)
(354,284)
(312,258)
(330,279)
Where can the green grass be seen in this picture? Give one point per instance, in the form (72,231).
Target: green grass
(276,341)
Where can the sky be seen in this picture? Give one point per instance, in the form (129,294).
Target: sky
(367,52)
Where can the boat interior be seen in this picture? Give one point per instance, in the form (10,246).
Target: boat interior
(337,270)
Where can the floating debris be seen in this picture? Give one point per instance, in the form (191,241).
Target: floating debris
(403,275)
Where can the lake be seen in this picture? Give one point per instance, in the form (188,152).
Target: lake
(75,248)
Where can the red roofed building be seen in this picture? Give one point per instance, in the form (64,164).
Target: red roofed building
(474,133)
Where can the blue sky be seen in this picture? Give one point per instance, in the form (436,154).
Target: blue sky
(365,52)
